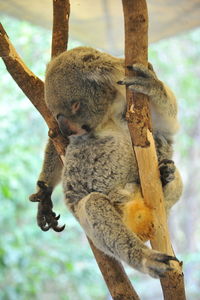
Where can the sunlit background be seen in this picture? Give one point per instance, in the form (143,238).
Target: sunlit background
(38,265)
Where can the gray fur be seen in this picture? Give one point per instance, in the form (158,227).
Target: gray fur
(100,164)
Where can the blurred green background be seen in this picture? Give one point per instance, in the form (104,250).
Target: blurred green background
(36,265)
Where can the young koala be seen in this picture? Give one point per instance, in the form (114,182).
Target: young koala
(84,90)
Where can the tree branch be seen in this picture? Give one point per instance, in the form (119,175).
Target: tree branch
(61,12)
(139,122)
(114,275)
(31,85)
(112,271)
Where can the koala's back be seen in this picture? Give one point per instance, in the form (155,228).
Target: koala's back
(97,164)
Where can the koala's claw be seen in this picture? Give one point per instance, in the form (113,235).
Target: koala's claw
(167,170)
(156,263)
(58,217)
(143,71)
(46,217)
(143,81)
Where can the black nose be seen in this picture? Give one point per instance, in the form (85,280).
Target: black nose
(63,125)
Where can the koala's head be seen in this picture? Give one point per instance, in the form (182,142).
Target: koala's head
(80,88)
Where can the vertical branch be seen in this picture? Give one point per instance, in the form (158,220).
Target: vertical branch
(61,12)
(138,117)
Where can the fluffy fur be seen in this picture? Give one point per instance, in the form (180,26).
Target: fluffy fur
(100,176)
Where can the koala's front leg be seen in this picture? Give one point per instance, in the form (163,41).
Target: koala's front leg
(48,179)
(146,82)
(103,224)
(46,217)
(162,100)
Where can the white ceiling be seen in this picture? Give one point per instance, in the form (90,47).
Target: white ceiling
(99,23)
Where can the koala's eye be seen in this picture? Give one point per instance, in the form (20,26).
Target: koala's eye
(75,107)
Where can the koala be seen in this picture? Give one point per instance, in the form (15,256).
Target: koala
(85,92)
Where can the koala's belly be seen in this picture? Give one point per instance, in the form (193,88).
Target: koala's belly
(97,165)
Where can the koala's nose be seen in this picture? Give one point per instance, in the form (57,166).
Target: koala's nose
(64,125)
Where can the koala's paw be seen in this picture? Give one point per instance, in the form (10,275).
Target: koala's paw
(46,217)
(156,263)
(167,170)
(144,81)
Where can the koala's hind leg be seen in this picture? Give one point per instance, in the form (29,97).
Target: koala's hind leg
(104,226)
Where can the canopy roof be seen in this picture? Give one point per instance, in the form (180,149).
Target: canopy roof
(99,23)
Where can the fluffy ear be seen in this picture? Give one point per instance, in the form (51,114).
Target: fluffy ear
(101,75)
(95,65)
(102,68)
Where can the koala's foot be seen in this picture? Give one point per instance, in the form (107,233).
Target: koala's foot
(46,218)
(156,263)
(167,170)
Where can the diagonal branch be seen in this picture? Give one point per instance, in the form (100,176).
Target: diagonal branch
(30,84)
(138,116)
(112,271)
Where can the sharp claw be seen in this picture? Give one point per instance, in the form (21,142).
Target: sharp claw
(166,258)
(58,217)
(129,67)
(173,258)
(120,82)
(58,229)
(166,161)
(46,217)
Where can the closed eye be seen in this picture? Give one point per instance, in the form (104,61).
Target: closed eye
(86,127)
(75,107)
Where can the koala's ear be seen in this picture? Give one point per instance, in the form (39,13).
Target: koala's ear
(102,71)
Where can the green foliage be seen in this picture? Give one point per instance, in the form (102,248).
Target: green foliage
(38,265)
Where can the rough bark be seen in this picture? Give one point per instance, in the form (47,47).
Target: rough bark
(138,117)
(61,12)
(116,279)
(112,271)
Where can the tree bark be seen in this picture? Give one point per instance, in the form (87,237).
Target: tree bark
(113,272)
(139,122)
(114,275)
(61,12)
(31,85)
